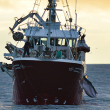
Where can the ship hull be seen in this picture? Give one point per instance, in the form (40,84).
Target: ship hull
(47,82)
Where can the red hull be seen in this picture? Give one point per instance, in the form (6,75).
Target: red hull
(47,82)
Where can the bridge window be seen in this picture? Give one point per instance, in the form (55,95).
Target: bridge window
(40,41)
(52,41)
(71,42)
(37,41)
(44,41)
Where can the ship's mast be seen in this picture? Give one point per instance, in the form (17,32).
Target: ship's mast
(52,17)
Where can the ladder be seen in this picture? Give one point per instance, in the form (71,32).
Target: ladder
(36,5)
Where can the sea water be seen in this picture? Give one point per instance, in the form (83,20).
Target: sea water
(98,74)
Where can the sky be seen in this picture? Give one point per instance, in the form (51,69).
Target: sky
(92,15)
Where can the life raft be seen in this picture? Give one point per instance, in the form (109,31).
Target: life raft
(83,48)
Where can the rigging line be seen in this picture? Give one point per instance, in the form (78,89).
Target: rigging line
(9,73)
(63,10)
(17,43)
(19,85)
(34,5)
(67,24)
(37,2)
(65,38)
(67,16)
(30,81)
(38,5)
(67,5)
(68,8)
(43,15)
(55,31)
(40,21)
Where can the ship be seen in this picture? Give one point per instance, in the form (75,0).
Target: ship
(54,72)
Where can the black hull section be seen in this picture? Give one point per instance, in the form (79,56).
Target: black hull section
(47,82)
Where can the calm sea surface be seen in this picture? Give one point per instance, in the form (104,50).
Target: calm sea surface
(99,75)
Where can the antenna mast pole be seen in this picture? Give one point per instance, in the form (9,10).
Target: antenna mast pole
(76,16)
(52,14)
